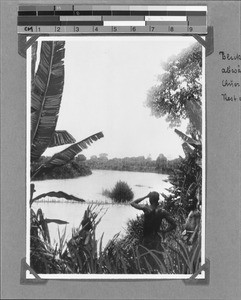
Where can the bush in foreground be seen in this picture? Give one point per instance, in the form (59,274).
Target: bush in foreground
(83,254)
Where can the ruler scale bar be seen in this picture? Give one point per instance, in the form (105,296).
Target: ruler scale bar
(113,13)
(154,19)
(45,13)
(113,7)
(153,29)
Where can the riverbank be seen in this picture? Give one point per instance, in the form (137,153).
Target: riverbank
(161,165)
(80,166)
(74,169)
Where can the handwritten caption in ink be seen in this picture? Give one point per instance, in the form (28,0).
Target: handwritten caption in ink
(231,74)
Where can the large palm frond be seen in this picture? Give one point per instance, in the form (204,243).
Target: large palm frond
(33,60)
(187,139)
(61,137)
(65,156)
(58,194)
(46,95)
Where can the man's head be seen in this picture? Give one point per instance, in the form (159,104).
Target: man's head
(154,198)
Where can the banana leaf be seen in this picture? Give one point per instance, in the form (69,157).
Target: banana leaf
(187,149)
(59,194)
(43,225)
(57,221)
(188,139)
(61,137)
(46,96)
(65,156)
(34,59)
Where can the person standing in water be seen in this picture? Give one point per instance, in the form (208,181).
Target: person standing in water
(153,216)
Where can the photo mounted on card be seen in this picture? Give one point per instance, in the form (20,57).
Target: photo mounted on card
(116,144)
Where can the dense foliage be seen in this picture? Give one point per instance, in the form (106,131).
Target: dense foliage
(121,192)
(73,169)
(135,164)
(46,96)
(83,254)
(179,84)
(179,97)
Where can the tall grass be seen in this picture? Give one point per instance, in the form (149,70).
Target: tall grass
(84,254)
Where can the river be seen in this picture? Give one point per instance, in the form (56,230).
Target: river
(89,188)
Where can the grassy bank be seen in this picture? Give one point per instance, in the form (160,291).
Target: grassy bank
(83,254)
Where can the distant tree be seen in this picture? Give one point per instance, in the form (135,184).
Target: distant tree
(93,157)
(149,157)
(161,163)
(103,155)
(80,158)
(178,95)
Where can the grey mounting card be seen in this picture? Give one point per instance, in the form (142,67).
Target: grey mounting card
(113,182)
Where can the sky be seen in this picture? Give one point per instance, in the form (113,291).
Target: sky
(105,89)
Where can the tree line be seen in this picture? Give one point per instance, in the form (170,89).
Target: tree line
(134,164)
(80,166)
(75,168)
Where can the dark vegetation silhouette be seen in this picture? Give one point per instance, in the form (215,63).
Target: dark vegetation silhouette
(134,164)
(75,168)
(120,193)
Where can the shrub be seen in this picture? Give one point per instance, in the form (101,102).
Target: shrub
(83,254)
(121,192)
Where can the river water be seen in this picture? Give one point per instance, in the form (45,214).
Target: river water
(89,188)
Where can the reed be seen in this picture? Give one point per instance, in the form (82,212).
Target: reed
(84,254)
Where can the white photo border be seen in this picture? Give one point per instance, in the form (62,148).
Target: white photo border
(28,124)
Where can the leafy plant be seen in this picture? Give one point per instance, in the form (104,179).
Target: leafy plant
(46,95)
(56,195)
(182,258)
(178,96)
(120,193)
(179,89)
(75,168)
(84,254)
(61,158)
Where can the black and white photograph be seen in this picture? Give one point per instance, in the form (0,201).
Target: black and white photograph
(115,157)
(120,149)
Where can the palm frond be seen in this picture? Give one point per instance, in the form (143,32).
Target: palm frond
(57,195)
(187,139)
(57,221)
(33,60)
(65,156)
(46,96)
(61,137)
(43,226)
(69,153)
(187,149)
